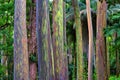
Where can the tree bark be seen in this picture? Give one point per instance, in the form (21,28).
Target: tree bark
(101,55)
(45,55)
(91,49)
(21,65)
(32,50)
(79,48)
(65,40)
(58,42)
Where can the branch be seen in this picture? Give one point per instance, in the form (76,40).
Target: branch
(4,26)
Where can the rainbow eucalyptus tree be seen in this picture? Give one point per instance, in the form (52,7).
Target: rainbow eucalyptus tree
(79,48)
(45,53)
(91,49)
(21,66)
(32,42)
(60,56)
(101,55)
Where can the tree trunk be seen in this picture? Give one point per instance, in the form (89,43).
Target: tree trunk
(65,40)
(108,62)
(4,57)
(91,49)
(117,58)
(117,63)
(21,66)
(32,50)
(58,42)
(45,55)
(101,55)
(79,48)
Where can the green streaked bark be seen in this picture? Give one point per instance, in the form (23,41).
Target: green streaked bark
(58,42)
(79,48)
(45,55)
(101,53)
(65,40)
(21,66)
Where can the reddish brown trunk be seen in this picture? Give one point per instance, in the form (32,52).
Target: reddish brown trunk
(32,42)
(33,71)
(101,55)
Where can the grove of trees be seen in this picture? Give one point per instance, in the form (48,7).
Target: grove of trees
(59,39)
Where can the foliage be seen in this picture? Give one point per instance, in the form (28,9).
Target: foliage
(114,78)
(114,26)
(6,36)
(111,31)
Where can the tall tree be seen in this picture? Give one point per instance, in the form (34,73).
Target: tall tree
(91,49)
(45,55)
(79,48)
(21,66)
(65,40)
(58,42)
(101,55)
(32,50)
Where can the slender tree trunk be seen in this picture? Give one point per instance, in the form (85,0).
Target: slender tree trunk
(91,49)
(117,59)
(108,62)
(65,40)
(21,66)
(32,50)
(45,55)
(101,55)
(79,48)
(117,64)
(58,42)
(4,58)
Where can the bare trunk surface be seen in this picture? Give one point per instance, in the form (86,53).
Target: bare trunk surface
(79,48)
(60,56)
(101,55)
(45,53)
(32,46)
(91,49)
(21,65)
